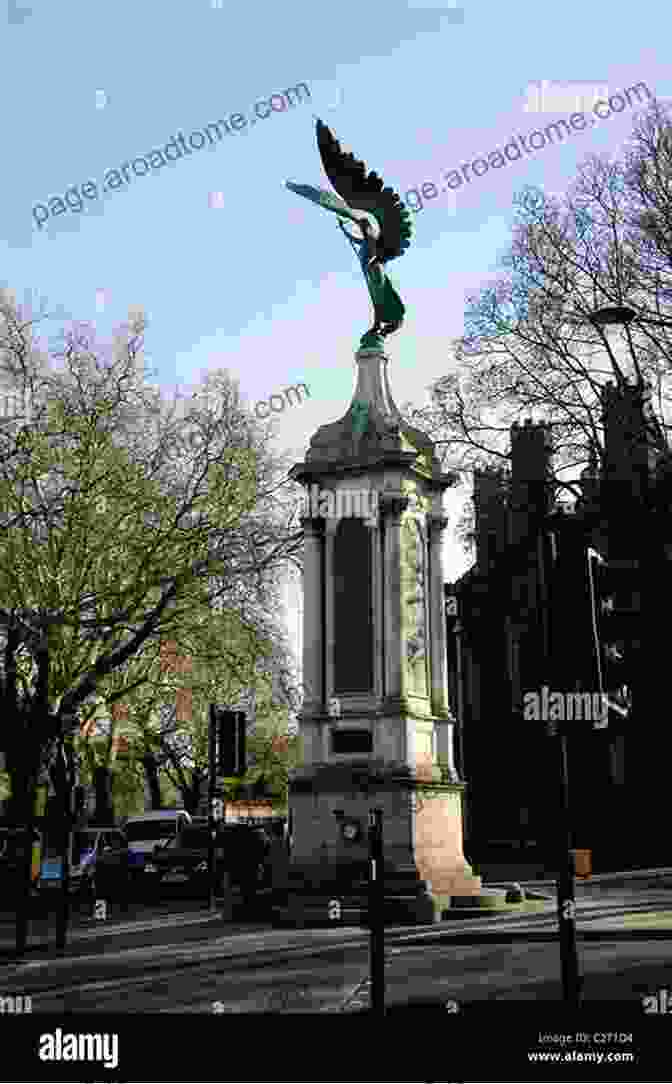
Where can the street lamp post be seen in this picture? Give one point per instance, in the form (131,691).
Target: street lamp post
(571,981)
(569,961)
(633,537)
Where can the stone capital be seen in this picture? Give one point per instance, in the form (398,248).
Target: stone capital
(393,505)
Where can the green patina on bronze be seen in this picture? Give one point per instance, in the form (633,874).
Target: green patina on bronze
(360,417)
(363,198)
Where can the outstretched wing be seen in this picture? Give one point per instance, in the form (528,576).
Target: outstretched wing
(331,203)
(366,193)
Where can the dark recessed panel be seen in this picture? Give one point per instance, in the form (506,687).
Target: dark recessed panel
(353,615)
(351,741)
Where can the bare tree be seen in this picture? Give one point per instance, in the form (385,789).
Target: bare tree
(531,347)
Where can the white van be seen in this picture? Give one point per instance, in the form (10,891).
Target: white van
(147,830)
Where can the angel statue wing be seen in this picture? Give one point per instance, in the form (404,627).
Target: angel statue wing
(378,212)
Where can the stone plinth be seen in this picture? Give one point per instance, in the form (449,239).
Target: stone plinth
(424,865)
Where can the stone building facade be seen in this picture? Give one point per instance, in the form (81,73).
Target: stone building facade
(522,618)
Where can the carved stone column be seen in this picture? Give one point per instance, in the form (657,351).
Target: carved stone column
(331,526)
(392,509)
(459,683)
(313,593)
(445,729)
(439,667)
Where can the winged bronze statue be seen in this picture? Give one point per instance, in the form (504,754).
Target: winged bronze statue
(384,224)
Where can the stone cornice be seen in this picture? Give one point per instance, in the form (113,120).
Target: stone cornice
(344,778)
(314,525)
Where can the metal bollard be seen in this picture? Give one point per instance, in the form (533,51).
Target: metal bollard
(225,897)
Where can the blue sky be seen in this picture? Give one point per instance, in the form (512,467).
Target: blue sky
(253,278)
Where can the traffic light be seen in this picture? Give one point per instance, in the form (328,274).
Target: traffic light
(230,727)
(616,599)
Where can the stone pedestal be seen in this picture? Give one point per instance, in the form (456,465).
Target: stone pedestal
(374,645)
(424,862)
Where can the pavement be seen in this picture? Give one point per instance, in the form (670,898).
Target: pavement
(167,960)
(600,883)
(144,925)
(137,924)
(261,969)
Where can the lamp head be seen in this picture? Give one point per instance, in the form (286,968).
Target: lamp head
(612,314)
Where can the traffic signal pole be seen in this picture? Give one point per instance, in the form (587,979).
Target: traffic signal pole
(593,555)
(212,826)
(226,757)
(569,960)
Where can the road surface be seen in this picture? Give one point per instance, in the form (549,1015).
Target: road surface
(206,967)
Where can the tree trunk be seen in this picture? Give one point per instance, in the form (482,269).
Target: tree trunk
(104,806)
(20,811)
(152,776)
(23,777)
(191,795)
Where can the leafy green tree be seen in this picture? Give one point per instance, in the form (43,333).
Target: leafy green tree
(118,514)
(214,658)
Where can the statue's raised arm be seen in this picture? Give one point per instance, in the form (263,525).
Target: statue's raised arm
(384,226)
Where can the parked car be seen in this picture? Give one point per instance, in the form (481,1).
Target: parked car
(98,861)
(240,850)
(146,830)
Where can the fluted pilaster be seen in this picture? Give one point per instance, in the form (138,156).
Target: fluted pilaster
(392,508)
(439,667)
(313,546)
(445,728)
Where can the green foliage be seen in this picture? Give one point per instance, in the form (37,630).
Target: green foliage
(128,789)
(125,522)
